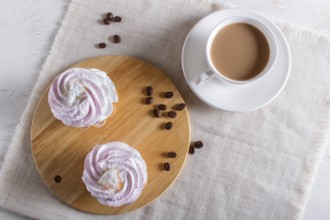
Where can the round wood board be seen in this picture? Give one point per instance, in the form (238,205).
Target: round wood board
(60,150)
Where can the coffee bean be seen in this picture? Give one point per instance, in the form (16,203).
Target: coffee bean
(117,19)
(169,94)
(171,154)
(109,16)
(162,107)
(149,91)
(180,107)
(192,149)
(167,166)
(168,125)
(171,114)
(102,45)
(149,100)
(57,179)
(156,113)
(106,21)
(198,144)
(116,39)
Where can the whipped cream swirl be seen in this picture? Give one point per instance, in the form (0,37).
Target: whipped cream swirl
(82,97)
(114,173)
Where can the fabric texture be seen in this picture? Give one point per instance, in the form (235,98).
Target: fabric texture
(256,165)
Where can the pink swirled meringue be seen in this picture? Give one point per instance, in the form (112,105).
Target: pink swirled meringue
(114,173)
(82,97)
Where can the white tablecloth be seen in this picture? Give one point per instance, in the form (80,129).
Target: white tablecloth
(281,194)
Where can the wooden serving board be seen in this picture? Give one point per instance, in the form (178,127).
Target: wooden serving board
(59,150)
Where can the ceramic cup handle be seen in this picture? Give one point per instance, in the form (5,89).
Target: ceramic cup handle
(204,77)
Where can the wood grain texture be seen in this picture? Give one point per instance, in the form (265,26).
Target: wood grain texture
(61,150)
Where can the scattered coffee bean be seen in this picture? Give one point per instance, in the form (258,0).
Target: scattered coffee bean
(171,154)
(162,107)
(116,39)
(171,114)
(149,91)
(102,45)
(106,21)
(198,144)
(149,100)
(181,106)
(57,179)
(168,125)
(109,16)
(192,149)
(167,166)
(156,113)
(169,94)
(117,19)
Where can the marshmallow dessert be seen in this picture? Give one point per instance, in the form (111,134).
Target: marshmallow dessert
(115,174)
(82,97)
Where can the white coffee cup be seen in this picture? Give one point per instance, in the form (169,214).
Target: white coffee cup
(211,72)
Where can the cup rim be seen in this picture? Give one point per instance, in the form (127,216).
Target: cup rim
(270,39)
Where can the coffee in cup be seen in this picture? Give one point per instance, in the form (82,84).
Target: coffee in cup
(239,50)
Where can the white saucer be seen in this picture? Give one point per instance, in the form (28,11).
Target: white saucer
(241,98)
